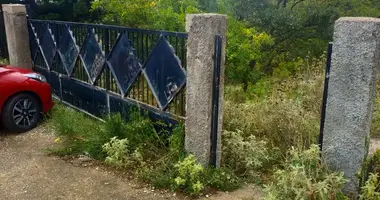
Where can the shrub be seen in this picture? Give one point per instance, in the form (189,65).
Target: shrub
(304,176)
(115,126)
(154,157)
(139,130)
(285,111)
(177,143)
(189,175)
(4,61)
(117,151)
(245,45)
(370,180)
(222,179)
(283,122)
(149,14)
(370,191)
(119,154)
(245,156)
(161,171)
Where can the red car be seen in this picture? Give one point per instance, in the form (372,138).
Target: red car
(24,95)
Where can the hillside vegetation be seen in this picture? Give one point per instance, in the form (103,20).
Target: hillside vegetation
(276,55)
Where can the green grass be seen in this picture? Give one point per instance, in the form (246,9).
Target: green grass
(4,61)
(137,147)
(274,116)
(287,113)
(79,134)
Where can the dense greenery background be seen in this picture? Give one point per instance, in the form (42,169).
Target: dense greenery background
(266,37)
(275,74)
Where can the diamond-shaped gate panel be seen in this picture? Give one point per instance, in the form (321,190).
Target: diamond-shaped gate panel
(164,73)
(68,50)
(48,47)
(124,64)
(92,56)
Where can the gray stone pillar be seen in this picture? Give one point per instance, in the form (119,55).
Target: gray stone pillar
(202,29)
(16,29)
(351,95)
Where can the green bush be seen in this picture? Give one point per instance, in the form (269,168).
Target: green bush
(283,122)
(370,180)
(139,131)
(83,135)
(149,14)
(120,155)
(4,61)
(245,45)
(285,111)
(304,176)
(118,152)
(244,155)
(189,175)
(194,178)
(222,179)
(177,143)
(370,191)
(137,146)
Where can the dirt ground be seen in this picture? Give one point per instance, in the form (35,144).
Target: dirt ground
(28,173)
(374,145)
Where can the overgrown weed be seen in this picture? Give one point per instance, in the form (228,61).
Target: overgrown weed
(287,114)
(136,146)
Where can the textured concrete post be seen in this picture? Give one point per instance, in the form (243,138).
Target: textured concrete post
(351,95)
(202,29)
(16,29)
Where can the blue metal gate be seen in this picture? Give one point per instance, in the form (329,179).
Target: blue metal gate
(100,70)
(105,69)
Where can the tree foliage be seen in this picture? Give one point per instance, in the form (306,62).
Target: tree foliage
(152,14)
(264,36)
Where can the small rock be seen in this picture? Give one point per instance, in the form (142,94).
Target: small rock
(83,158)
(207,196)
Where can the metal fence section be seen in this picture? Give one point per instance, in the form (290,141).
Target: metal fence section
(325,90)
(215,99)
(3,37)
(102,69)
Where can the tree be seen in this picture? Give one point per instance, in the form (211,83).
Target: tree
(150,14)
(208,5)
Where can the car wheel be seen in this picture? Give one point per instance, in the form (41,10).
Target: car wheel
(21,113)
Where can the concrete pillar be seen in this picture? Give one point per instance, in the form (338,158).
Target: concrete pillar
(16,29)
(351,95)
(202,29)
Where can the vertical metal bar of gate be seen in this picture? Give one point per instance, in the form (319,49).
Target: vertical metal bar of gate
(325,90)
(3,37)
(215,99)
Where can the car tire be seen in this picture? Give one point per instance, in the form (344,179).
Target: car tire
(21,113)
